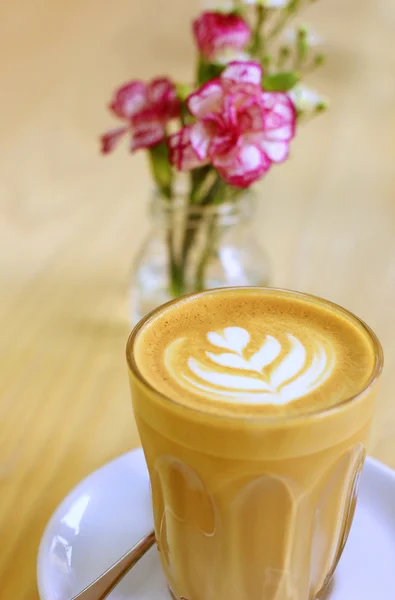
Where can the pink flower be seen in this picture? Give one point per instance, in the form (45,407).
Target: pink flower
(215,32)
(240,129)
(146,108)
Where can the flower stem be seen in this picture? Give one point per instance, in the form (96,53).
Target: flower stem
(257,46)
(302,48)
(161,169)
(285,15)
(215,196)
(177,283)
(200,281)
(199,179)
(163,176)
(199,232)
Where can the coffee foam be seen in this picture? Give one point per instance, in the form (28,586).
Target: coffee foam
(255,350)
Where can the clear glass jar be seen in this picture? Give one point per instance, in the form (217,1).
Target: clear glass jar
(192,247)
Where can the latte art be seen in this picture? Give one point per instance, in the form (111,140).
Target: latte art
(254,352)
(278,372)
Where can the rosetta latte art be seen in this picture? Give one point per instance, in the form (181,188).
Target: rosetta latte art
(275,374)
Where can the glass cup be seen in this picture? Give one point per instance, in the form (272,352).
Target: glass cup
(252,508)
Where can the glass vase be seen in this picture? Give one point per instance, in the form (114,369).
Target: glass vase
(192,247)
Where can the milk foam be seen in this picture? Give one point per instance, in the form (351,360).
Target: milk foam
(277,373)
(254,352)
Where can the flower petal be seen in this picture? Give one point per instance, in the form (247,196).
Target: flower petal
(200,140)
(243,166)
(162,96)
(110,139)
(286,133)
(159,89)
(280,117)
(215,31)
(272,99)
(182,154)
(206,100)
(243,72)
(277,152)
(147,130)
(252,119)
(129,99)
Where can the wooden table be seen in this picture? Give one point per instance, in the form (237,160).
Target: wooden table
(71,222)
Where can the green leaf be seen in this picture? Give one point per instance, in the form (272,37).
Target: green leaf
(280,82)
(208,71)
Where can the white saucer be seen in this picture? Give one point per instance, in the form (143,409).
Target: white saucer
(110,510)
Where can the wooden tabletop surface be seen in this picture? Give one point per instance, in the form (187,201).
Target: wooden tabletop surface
(71,221)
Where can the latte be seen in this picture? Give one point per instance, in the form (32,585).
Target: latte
(248,351)
(253,408)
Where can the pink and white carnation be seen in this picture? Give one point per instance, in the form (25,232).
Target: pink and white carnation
(147,108)
(240,129)
(218,33)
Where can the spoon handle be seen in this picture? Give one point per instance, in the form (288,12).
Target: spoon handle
(99,589)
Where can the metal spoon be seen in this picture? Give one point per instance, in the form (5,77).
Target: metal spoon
(103,585)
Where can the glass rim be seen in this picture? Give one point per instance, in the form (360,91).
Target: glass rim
(225,213)
(276,419)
